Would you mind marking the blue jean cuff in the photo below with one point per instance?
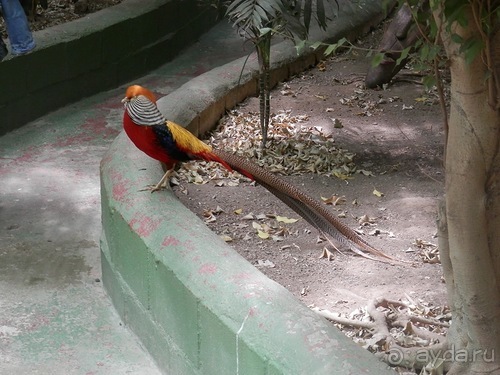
(24, 51)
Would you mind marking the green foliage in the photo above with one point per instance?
(289, 18)
(259, 20)
(333, 47)
(471, 48)
(329, 48)
(429, 81)
(250, 16)
(483, 14)
(454, 11)
(377, 59)
(305, 7)
(404, 55)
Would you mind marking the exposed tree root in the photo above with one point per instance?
(429, 359)
(397, 336)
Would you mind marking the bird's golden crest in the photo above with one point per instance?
(136, 90)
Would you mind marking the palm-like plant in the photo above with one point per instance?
(258, 21)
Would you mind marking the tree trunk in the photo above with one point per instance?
(470, 252)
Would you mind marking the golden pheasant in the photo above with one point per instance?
(170, 143)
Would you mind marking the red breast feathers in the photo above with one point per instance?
(160, 139)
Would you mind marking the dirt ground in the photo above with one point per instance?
(396, 137)
(396, 134)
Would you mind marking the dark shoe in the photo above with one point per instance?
(3, 50)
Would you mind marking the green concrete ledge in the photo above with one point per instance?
(96, 53)
(197, 305)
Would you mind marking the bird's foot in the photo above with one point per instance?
(164, 182)
(153, 188)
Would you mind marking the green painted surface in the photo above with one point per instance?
(191, 268)
(175, 309)
(217, 343)
(248, 362)
(96, 53)
(159, 343)
(179, 286)
(50, 225)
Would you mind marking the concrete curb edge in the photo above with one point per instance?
(198, 306)
(95, 53)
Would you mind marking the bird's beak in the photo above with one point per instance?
(125, 100)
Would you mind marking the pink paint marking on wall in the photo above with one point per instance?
(240, 278)
(120, 191)
(144, 225)
(207, 269)
(170, 241)
(120, 187)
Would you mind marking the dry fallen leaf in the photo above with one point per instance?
(327, 254)
(265, 263)
(286, 220)
(337, 123)
(342, 176)
(291, 149)
(334, 200)
(321, 66)
(226, 238)
(288, 92)
(365, 172)
(422, 243)
(210, 219)
(378, 193)
(210, 215)
(366, 220)
(263, 235)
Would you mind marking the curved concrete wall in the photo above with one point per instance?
(96, 53)
(198, 306)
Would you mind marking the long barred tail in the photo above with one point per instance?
(312, 210)
(179, 144)
(217, 157)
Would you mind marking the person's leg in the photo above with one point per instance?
(21, 39)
